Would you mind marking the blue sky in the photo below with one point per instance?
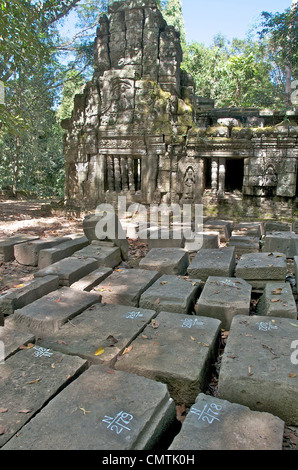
(205, 18)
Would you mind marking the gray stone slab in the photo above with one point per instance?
(283, 242)
(161, 238)
(101, 410)
(28, 253)
(19, 297)
(244, 245)
(260, 268)
(69, 270)
(258, 368)
(13, 338)
(249, 229)
(213, 262)
(277, 301)
(125, 286)
(223, 298)
(206, 425)
(177, 350)
(166, 261)
(7, 245)
(276, 226)
(172, 294)
(203, 240)
(52, 255)
(107, 256)
(224, 227)
(28, 380)
(111, 228)
(101, 333)
(92, 279)
(46, 315)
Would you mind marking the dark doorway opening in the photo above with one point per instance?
(207, 173)
(234, 174)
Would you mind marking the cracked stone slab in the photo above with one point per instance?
(101, 410)
(28, 379)
(101, 333)
(177, 350)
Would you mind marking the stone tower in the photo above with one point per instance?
(128, 129)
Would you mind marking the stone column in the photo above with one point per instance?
(110, 166)
(214, 175)
(124, 174)
(130, 172)
(221, 177)
(117, 174)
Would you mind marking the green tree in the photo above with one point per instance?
(281, 32)
(173, 15)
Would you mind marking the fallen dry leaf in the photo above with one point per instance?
(29, 346)
(25, 411)
(127, 350)
(99, 352)
(154, 324)
(33, 382)
(3, 410)
(292, 376)
(2, 430)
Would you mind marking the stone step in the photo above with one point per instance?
(17, 298)
(166, 261)
(257, 368)
(277, 301)
(172, 294)
(260, 268)
(215, 424)
(7, 245)
(213, 262)
(125, 286)
(29, 379)
(100, 410)
(28, 253)
(177, 350)
(223, 298)
(46, 315)
(53, 255)
(69, 270)
(107, 256)
(101, 333)
(92, 279)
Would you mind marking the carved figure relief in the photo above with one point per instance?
(189, 183)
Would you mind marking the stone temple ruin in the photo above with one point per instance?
(139, 130)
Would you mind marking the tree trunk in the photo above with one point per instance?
(288, 73)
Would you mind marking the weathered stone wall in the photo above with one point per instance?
(138, 129)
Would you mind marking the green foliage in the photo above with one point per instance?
(172, 12)
(72, 85)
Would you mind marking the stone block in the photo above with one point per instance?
(213, 262)
(13, 338)
(125, 286)
(283, 242)
(92, 280)
(101, 333)
(28, 253)
(29, 379)
(257, 370)
(260, 268)
(106, 256)
(249, 229)
(206, 425)
(244, 244)
(276, 226)
(107, 227)
(18, 298)
(172, 294)
(277, 301)
(69, 270)
(7, 245)
(223, 298)
(55, 254)
(224, 227)
(166, 261)
(159, 238)
(202, 240)
(89, 418)
(177, 350)
(46, 315)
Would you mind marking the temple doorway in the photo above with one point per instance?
(234, 174)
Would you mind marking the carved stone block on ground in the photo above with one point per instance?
(166, 261)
